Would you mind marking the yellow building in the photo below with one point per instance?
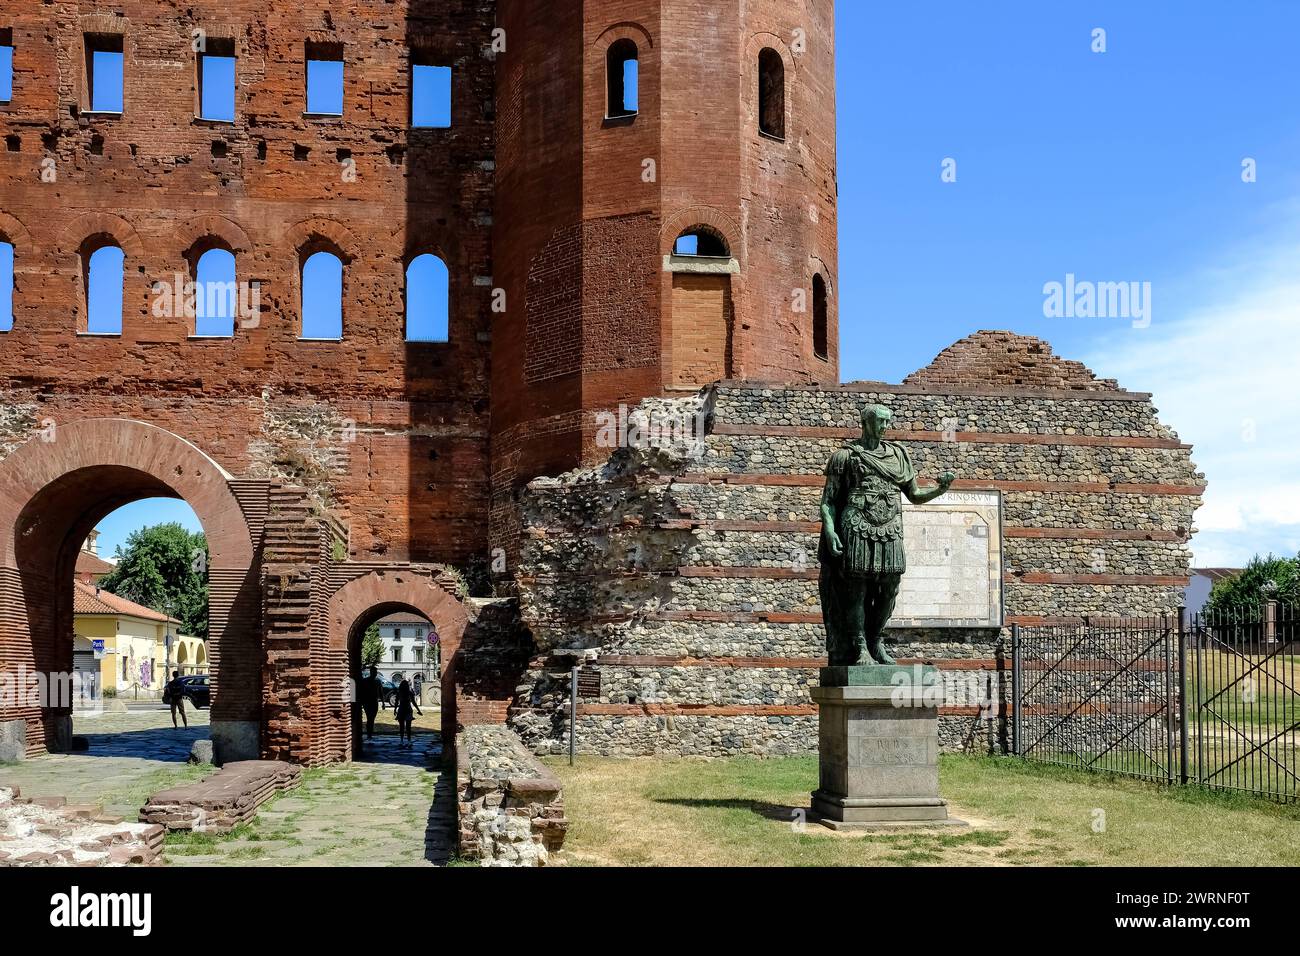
(133, 663)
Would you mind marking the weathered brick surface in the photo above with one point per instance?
(587, 208)
(392, 433)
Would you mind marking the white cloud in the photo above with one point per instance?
(1226, 375)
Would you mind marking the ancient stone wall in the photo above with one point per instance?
(510, 808)
(691, 579)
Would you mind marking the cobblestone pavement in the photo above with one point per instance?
(131, 756)
(394, 807)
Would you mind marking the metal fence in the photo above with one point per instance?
(1211, 699)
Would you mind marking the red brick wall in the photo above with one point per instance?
(394, 434)
(702, 316)
(587, 208)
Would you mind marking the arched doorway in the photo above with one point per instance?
(365, 600)
(54, 489)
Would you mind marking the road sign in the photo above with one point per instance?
(98, 647)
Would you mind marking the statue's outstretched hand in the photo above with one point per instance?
(946, 480)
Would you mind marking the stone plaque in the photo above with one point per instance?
(954, 562)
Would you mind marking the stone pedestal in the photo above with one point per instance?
(878, 747)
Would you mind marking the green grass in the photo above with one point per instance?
(740, 812)
(1247, 691)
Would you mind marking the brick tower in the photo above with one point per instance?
(623, 125)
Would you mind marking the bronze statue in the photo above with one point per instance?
(861, 552)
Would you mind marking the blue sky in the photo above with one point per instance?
(1117, 166)
(114, 529)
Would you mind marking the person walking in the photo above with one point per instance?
(176, 697)
(368, 698)
(405, 701)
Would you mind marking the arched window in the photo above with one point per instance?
(6, 286)
(820, 327)
(322, 296)
(623, 73)
(427, 299)
(771, 93)
(699, 241)
(215, 294)
(104, 273)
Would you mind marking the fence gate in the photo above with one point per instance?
(1245, 707)
(1099, 697)
(1213, 699)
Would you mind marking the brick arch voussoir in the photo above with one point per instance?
(417, 236)
(312, 231)
(819, 266)
(708, 216)
(625, 30)
(139, 446)
(14, 232)
(760, 41)
(230, 234)
(101, 224)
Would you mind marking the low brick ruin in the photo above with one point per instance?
(224, 800)
(47, 831)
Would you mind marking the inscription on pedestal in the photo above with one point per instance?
(887, 752)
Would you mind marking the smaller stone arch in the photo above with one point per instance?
(371, 596)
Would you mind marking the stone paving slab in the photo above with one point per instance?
(395, 808)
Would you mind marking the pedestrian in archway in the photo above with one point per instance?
(175, 695)
(368, 698)
(405, 701)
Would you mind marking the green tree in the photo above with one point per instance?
(165, 567)
(372, 647)
(1263, 579)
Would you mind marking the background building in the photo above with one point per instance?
(1201, 584)
(134, 658)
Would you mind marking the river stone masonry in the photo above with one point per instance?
(684, 576)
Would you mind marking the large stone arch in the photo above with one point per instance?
(373, 595)
(54, 488)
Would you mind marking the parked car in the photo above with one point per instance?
(386, 691)
(197, 691)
